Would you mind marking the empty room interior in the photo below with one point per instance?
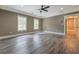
(39, 29)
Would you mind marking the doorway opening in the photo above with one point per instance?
(72, 25)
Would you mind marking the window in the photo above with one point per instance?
(22, 23)
(36, 24)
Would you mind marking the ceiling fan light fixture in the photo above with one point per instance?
(43, 8)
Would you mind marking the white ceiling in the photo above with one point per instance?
(32, 9)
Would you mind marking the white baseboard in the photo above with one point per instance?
(54, 32)
(9, 36)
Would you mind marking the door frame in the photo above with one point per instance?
(65, 23)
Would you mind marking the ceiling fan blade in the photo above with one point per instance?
(46, 10)
(46, 7)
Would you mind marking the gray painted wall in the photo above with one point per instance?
(54, 24)
(8, 23)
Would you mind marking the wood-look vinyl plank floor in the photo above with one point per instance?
(40, 44)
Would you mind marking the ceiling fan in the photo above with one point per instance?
(43, 8)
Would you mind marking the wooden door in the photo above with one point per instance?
(70, 25)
